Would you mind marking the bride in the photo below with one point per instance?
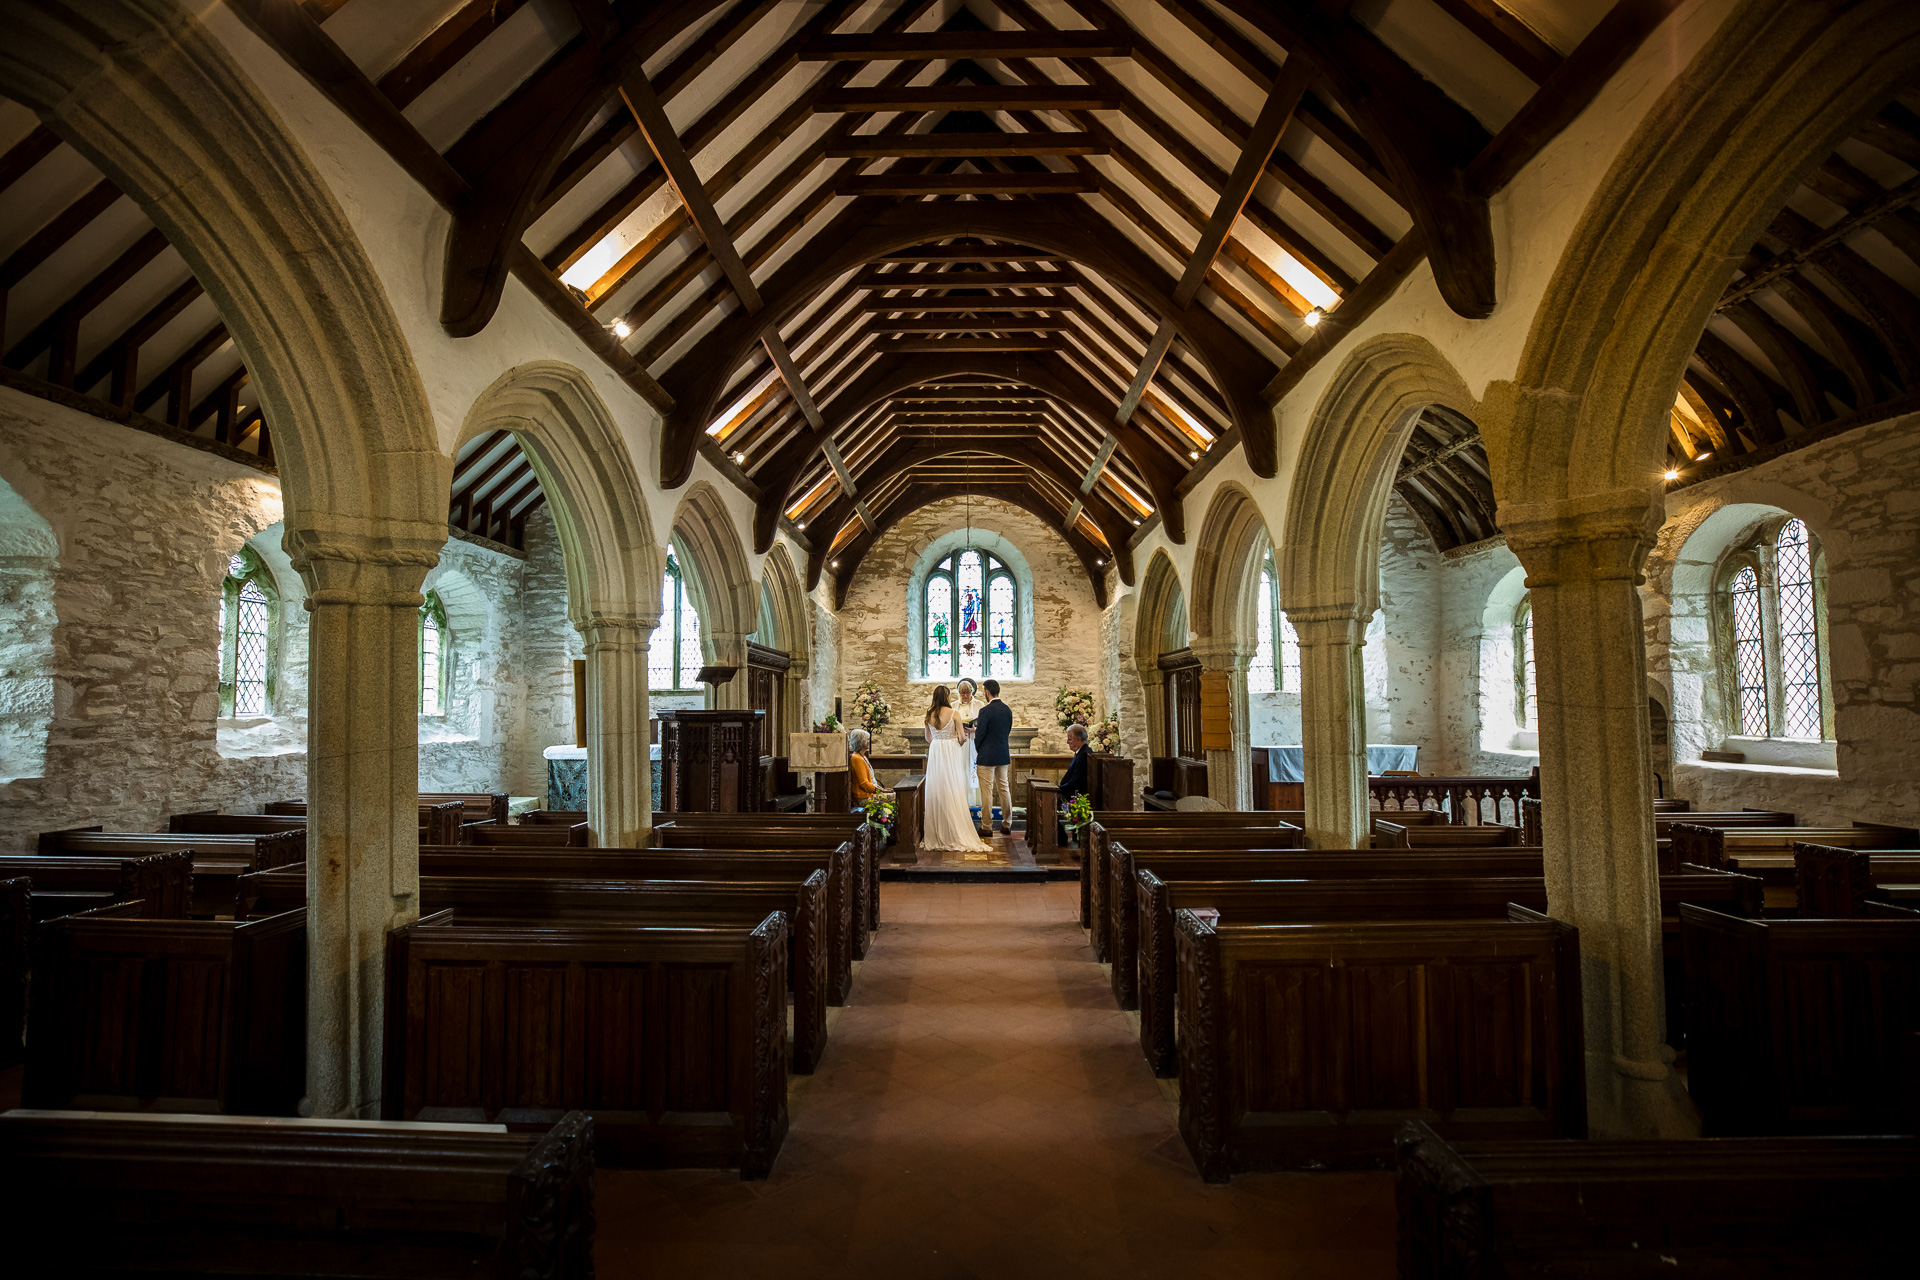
(949, 823)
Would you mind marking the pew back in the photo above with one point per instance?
(674, 1040)
(1430, 835)
(496, 834)
(161, 882)
(1307, 1046)
(16, 925)
(1164, 828)
(1837, 884)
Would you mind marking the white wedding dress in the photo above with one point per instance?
(949, 823)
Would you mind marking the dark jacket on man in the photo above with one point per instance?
(991, 725)
(1074, 782)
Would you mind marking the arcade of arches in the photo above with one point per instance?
(1532, 384)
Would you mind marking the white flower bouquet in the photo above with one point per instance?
(1073, 706)
(1106, 738)
(870, 707)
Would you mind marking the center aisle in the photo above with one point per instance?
(983, 1110)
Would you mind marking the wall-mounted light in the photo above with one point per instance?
(836, 564)
(1136, 524)
(1313, 318)
(1099, 562)
(1702, 457)
(1194, 454)
(1672, 474)
(620, 329)
(739, 456)
(800, 525)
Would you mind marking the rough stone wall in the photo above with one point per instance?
(1120, 689)
(1473, 671)
(1860, 493)
(474, 745)
(1410, 634)
(144, 529)
(823, 680)
(551, 645)
(1067, 643)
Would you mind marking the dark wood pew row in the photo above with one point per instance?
(788, 865)
(565, 835)
(1838, 884)
(1633, 1210)
(539, 900)
(219, 859)
(16, 926)
(475, 806)
(1359, 889)
(1280, 831)
(1438, 835)
(1308, 1046)
(439, 823)
(771, 830)
(131, 1014)
(1768, 851)
(63, 884)
(1671, 804)
(1797, 1026)
(543, 817)
(198, 1195)
(1664, 816)
(673, 1039)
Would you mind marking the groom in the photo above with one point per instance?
(990, 729)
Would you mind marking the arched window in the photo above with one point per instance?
(1526, 692)
(673, 654)
(1772, 625)
(1276, 667)
(434, 647)
(971, 606)
(246, 637)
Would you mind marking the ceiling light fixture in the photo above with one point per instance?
(738, 456)
(1313, 318)
(1672, 474)
(836, 564)
(620, 329)
(1702, 457)
(1194, 454)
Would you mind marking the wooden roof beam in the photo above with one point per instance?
(982, 98)
(926, 46)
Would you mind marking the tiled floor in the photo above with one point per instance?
(1006, 851)
(983, 1110)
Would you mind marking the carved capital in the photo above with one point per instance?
(384, 568)
(607, 632)
(1602, 538)
(1230, 656)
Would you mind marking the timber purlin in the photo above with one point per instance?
(133, 1014)
(1308, 1046)
(555, 899)
(1798, 1026)
(1634, 1209)
(672, 1039)
(192, 1195)
(63, 884)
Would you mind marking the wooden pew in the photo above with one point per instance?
(1043, 819)
(1308, 1046)
(1441, 835)
(1796, 1026)
(573, 836)
(909, 817)
(544, 900)
(440, 823)
(1171, 779)
(16, 926)
(172, 1015)
(196, 1195)
(1096, 873)
(773, 830)
(787, 865)
(1839, 884)
(1444, 889)
(1733, 818)
(63, 884)
(673, 1040)
(565, 817)
(1633, 1210)
(219, 860)
(475, 806)
(1768, 851)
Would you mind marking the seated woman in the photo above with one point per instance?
(859, 746)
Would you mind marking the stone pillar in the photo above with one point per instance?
(1333, 724)
(363, 785)
(1597, 803)
(1230, 771)
(619, 766)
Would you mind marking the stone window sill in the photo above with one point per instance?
(1775, 770)
(251, 722)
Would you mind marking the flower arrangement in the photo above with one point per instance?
(830, 725)
(879, 810)
(1106, 738)
(1079, 814)
(1073, 706)
(870, 707)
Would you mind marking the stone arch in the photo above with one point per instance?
(1780, 86)
(781, 582)
(1162, 609)
(724, 588)
(613, 569)
(1227, 560)
(29, 556)
(152, 98)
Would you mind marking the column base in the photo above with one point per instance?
(1624, 1105)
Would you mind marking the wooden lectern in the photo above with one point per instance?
(710, 761)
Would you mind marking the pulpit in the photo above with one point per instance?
(710, 761)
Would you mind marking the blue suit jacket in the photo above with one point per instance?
(991, 725)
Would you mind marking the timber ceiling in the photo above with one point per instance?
(866, 255)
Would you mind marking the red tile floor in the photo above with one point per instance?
(983, 1110)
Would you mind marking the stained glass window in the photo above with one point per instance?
(673, 651)
(1799, 634)
(971, 609)
(433, 657)
(246, 636)
(1264, 675)
(1526, 690)
(1749, 653)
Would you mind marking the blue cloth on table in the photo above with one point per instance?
(1287, 764)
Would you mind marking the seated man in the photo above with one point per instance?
(1074, 781)
(859, 745)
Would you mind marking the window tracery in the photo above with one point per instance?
(1276, 655)
(246, 637)
(1771, 616)
(970, 607)
(434, 647)
(673, 652)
